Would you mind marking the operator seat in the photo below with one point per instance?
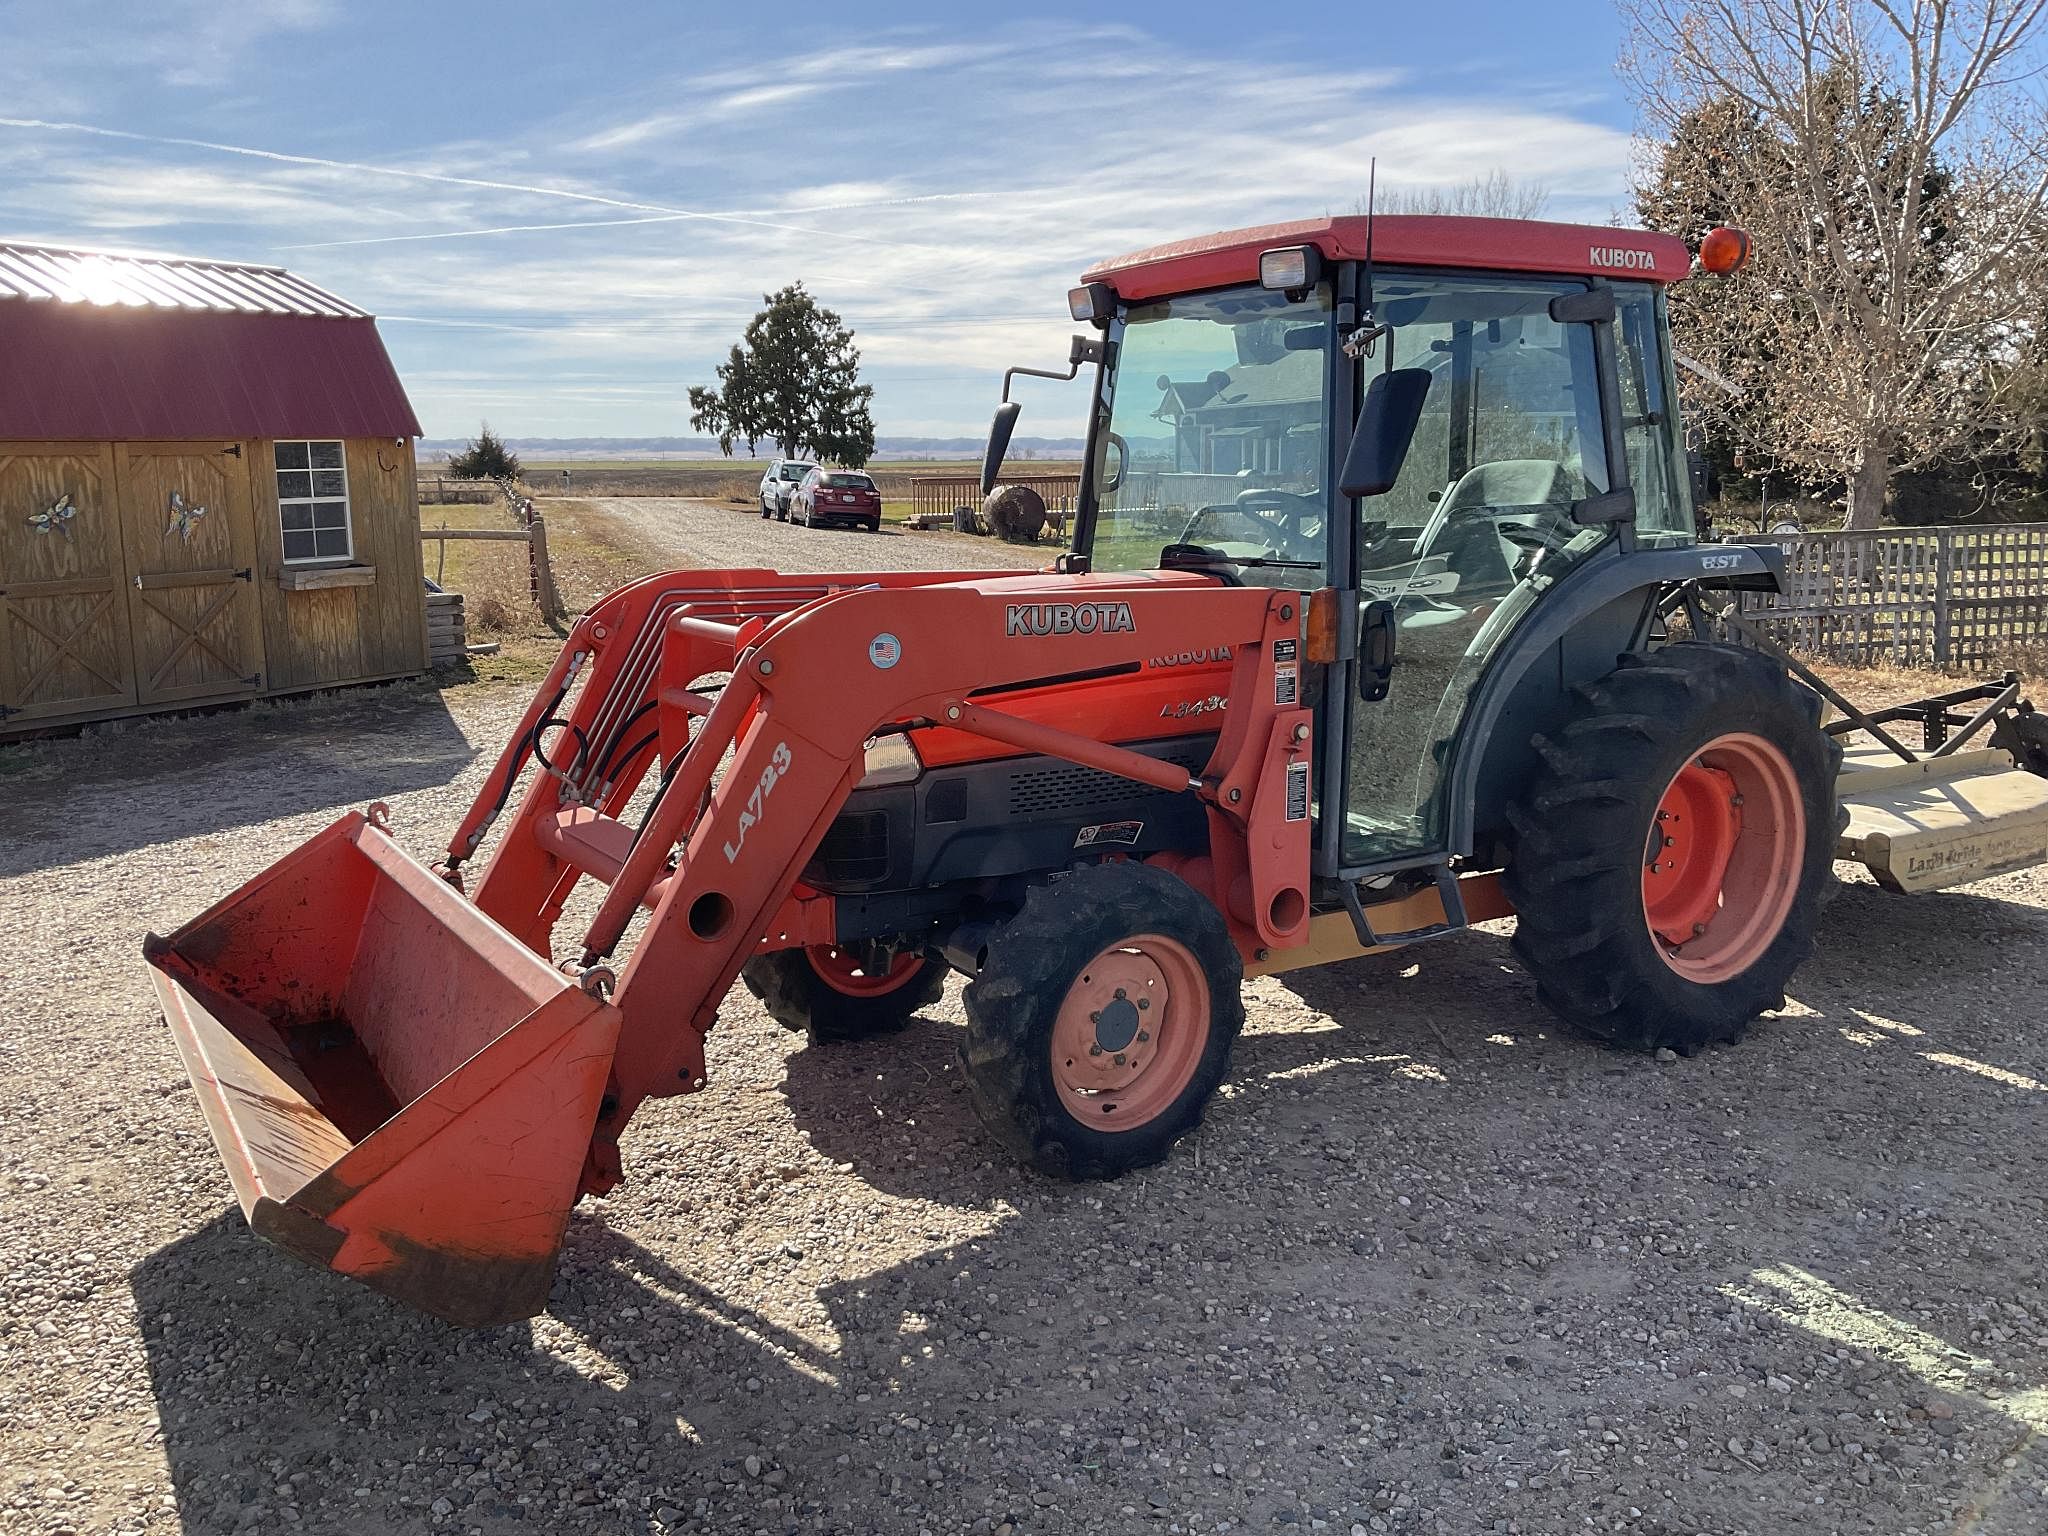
(1464, 526)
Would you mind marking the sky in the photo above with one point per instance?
(563, 216)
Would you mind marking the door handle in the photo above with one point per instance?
(1377, 634)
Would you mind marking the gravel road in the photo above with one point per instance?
(1430, 1267)
(683, 531)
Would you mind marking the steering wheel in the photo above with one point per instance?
(1293, 520)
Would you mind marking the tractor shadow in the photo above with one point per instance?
(1394, 1205)
(120, 788)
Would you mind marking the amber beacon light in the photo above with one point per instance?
(1724, 250)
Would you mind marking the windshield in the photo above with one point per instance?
(850, 482)
(1216, 434)
(796, 471)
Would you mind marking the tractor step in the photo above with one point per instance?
(1941, 821)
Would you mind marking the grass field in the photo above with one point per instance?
(493, 579)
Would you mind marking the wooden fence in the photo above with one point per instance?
(1947, 597)
(935, 496)
(532, 532)
(439, 490)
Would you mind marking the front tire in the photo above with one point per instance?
(1670, 855)
(1102, 1020)
(824, 991)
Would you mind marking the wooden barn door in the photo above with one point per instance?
(63, 617)
(191, 567)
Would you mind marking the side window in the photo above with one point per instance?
(312, 500)
(1649, 417)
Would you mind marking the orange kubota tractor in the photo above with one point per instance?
(1362, 639)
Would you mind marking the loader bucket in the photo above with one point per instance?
(401, 1091)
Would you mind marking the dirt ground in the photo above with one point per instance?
(684, 531)
(1431, 1266)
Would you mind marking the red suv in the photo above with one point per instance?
(837, 496)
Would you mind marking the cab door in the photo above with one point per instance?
(1478, 526)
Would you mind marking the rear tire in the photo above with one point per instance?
(1670, 855)
(1102, 1020)
(821, 992)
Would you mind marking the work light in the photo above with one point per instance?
(1290, 267)
(1092, 303)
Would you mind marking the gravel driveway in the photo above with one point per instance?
(683, 531)
(1430, 1267)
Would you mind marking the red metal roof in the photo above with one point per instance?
(137, 348)
(1404, 240)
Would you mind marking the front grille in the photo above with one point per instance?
(1069, 787)
(855, 849)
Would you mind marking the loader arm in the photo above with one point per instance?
(806, 694)
(403, 1086)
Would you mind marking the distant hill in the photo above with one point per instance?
(1067, 448)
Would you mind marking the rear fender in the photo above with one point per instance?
(1573, 634)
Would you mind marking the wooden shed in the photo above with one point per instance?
(206, 489)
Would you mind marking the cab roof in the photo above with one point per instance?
(1401, 240)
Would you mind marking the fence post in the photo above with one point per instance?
(543, 572)
(1944, 569)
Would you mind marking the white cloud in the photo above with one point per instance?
(941, 193)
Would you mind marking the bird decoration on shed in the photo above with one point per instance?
(56, 518)
(184, 517)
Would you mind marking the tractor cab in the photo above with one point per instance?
(1514, 382)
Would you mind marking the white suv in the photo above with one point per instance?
(780, 483)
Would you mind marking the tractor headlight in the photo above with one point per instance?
(1290, 268)
(890, 760)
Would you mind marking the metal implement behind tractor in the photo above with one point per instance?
(1362, 640)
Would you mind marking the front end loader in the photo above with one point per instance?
(1366, 636)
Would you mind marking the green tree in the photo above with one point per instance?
(486, 458)
(795, 378)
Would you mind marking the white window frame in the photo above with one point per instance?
(348, 510)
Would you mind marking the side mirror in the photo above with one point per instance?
(1606, 509)
(999, 432)
(1706, 480)
(1587, 306)
(1386, 426)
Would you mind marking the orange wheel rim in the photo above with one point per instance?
(1131, 1033)
(1722, 863)
(841, 970)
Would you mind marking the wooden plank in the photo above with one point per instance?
(317, 578)
(384, 495)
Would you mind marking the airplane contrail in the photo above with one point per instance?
(653, 218)
(360, 167)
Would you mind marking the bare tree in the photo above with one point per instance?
(1496, 195)
(1890, 345)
